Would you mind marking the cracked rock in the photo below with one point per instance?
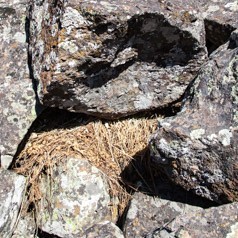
(113, 59)
(197, 149)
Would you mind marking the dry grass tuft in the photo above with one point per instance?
(108, 146)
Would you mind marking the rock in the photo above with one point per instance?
(77, 200)
(26, 227)
(197, 149)
(104, 229)
(17, 96)
(12, 189)
(113, 59)
(216, 222)
(220, 20)
(147, 214)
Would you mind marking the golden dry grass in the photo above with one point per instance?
(108, 146)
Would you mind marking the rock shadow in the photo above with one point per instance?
(216, 34)
(153, 39)
(142, 176)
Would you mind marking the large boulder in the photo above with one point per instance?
(17, 96)
(76, 199)
(197, 149)
(12, 188)
(112, 59)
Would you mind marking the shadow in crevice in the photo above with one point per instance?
(38, 106)
(42, 234)
(142, 176)
(216, 34)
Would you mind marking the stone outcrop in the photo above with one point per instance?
(146, 214)
(113, 59)
(12, 187)
(77, 200)
(17, 96)
(197, 149)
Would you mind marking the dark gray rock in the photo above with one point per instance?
(12, 187)
(17, 96)
(148, 214)
(197, 149)
(77, 199)
(105, 229)
(112, 59)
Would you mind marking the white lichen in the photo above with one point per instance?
(224, 137)
(197, 134)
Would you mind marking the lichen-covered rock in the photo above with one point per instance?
(216, 222)
(104, 229)
(26, 227)
(17, 96)
(12, 187)
(147, 214)
(112, 59)
(77, 200)
(197, 149)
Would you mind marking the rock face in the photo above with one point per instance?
(147, 214)
(217, 222)
(77, 200)
(26, 227)
(197, 148)
(17, 96)
(105, 229)
(12, 189)
(112, 59)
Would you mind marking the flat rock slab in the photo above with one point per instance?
(147, 214)
(217, 222)
(197, 149)
(12, 187)
(77, 200)
(113, 59)
(105, 229)
(17, 97)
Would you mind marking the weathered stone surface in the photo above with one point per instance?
(17, 97)
(105, 229)
(26, 227)
(113, 59)
(217, 222)
(12, 187)
(220, 17)
(197, 149)
(77, 200)
(147, 214)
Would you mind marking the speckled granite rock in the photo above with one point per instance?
(105, 229)
(197, 149)
(77, 200)
(217, 222)
(112, 59)
(12, 187)
(17, 108)
(146, 214)
(26, 227)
